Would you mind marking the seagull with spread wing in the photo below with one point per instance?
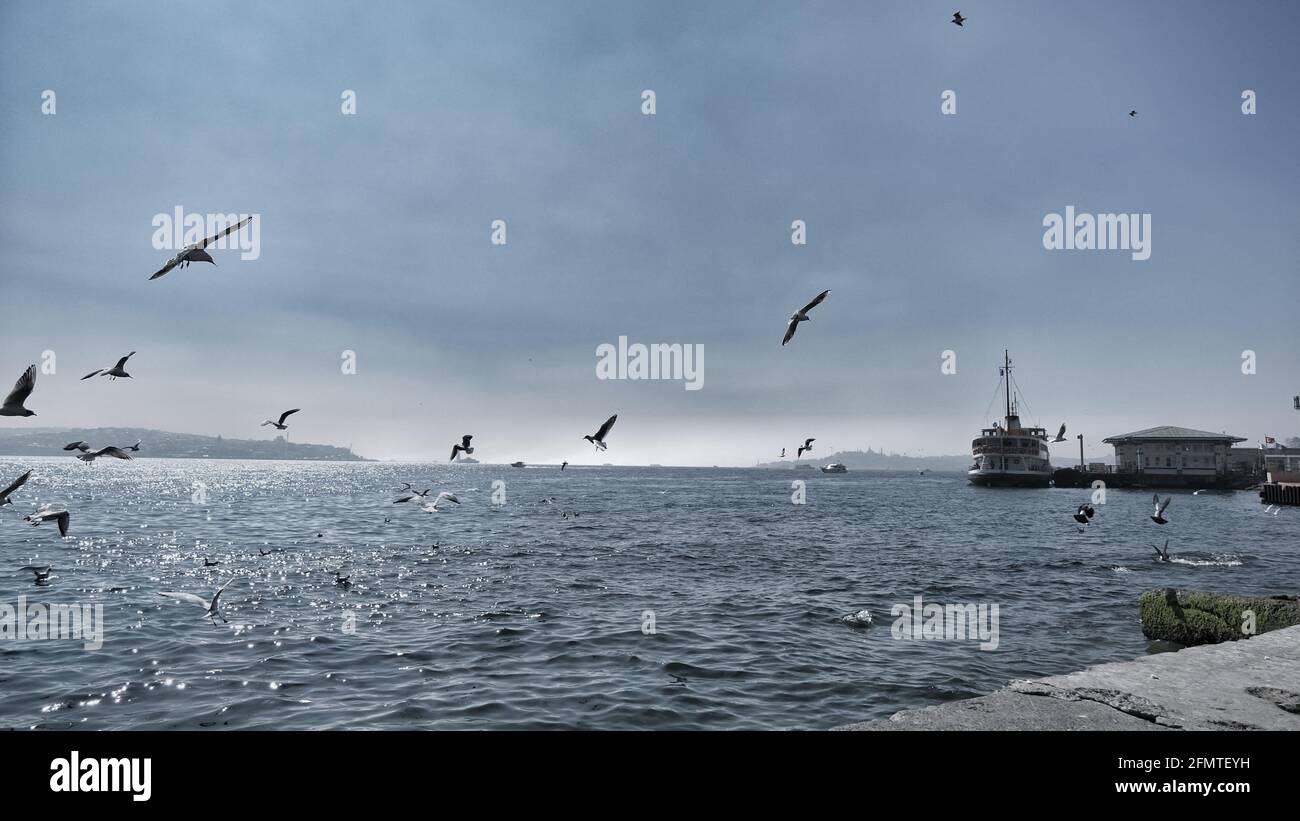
(115, 452)
(1159, 516)
(13, 404)
(599, 438)
(209, 606)
(280, 425)
(806, 446)
(801, 315)
(45, 515)
(114, 372)
(195, 252)
(1060, 434)
(77, 445)
(463, 447)
(432, 507)
(17, 483)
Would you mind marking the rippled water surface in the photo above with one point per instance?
(516, 616)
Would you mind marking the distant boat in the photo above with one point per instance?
(836, 467)
(467, 460)
(516, 464)
(655, 465)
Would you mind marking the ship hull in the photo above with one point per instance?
(999, 479)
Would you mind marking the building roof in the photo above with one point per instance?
(1173, 432)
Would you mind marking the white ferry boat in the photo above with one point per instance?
(837, 467)
(1009, 454)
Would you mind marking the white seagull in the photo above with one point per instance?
(599, 439)
(432, 507)
(801, 315)
(195, 252)
(41, 516)
(1060, 435)
(280, 425)
(464, 447)
(17, 483)
(209, 606)
(13, 404)
(114, 372)
(414, 494)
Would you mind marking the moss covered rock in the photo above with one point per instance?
(1189, 617)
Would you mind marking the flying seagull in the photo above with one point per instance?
(195, 252)
(1163, 554)
(414, 494)
(42, 573)
(432, 507)
(1133, 113)
(13, 404)
(209, 606)
(133, 448)
(1159, 516)
(599, 439)
(1060, 434)
(116, 453)
(113, 372)
(78, 445)
(42, 516)
(280, 425)
(1084, 514)
(958, 19)
(19, 482)
(782, 453)
(563, 465)
(807, 445)
(464, 446)
(801, 315)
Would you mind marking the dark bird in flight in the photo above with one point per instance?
(414, 494)
(78, 445)
(807, 445)
(59, 516)
(195, 252)
(463, 447)
(1163, 554)
(782, 453)
(1060, 434)
(1159, 516)
(13, 404)
(341, 580)
(280, 425)
(1084, 514)
(17, 483)
(133, 448)
(958, 19)
(599, 439)
(116, 453)
(563, 465)
(114, 372)
(1133, 113)
(801, 315)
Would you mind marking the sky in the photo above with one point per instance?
(376, 227)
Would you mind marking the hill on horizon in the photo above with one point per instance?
(166, 445)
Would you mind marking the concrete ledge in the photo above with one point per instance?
(1252, 684)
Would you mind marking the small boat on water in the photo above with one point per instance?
(516, 464)
(836, 467)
